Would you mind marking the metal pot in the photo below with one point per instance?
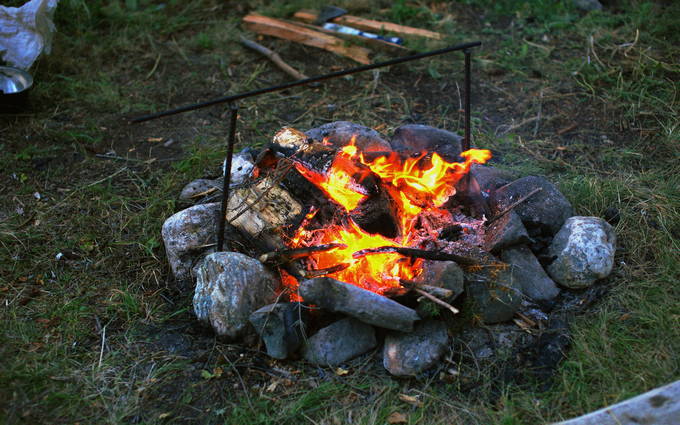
(14, 87)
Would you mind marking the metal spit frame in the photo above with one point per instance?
(231, 99)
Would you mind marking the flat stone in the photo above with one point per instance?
(660, 406)
(407, 354)
(281, 326)
(339, 133)
(339, 342)
(533, 280)
(419, 138)
(542, 213)
(587, 5)
(584, 252)
(369, 307)
(495, 292)
(504, 232)
(229, 287)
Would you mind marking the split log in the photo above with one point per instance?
(418, 253)
(299, 34)
(371, 25)
(369, 307)
(262, 210)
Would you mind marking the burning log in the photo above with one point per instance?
(418, 253)
(262, 210)
(288, 255)
(310, 274)
(377, 213)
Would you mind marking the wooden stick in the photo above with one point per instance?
(436, 300)
(434, 290)
(417, 253)
(288, 255)
(299, 34)
(309, 274)
(370, 25)
(274, 57)
(514, 204)
(378, 44)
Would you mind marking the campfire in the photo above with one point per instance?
(339, 220)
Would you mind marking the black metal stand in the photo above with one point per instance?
(468, 130)
(227, 177)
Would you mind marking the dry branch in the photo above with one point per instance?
(299, 34)
(274, 57)
(434, 290)
(436, 300)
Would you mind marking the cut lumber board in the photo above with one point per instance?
(299, 34)
(370, 25)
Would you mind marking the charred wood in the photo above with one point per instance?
(288, 255)
(418, 253)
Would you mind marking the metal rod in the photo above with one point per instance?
(466, 140)
(271, 89)
(227, 178)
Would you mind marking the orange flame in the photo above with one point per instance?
(416, 184)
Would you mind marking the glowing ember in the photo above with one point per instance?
(417, 185)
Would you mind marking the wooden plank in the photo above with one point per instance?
(299, 34)
(370, 25)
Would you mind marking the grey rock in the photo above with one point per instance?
(490, 178)
(443, 274)
(369, 307)
(533, 280)
(242, 166)
(339, 133)
(339, 342)
(660, 406)
(508, 230)
(587, 5)
(281, 326)
(418, 138)
(185, 235)
(543, 213)
(407, 354)
(584, 252)
(474, 342)
(198, 187)
(495, 292)
(229, 287)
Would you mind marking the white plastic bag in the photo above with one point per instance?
(26, 31)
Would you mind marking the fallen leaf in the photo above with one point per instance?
(341, 372)
(410, 400)
(397, 418)
(217, 372)
(272, 387)
(163, 415)
(154, 139)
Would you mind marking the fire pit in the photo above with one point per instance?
(336, 232)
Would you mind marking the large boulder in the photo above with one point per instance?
(583, 250)
(542, 213)
(229, 287)
(407, 354)
(339, 133)
(339, 342)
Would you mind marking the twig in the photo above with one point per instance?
(436, 300)
(538, 115)
(101, 351)
(155, 65)
(434, 290)
(514, 204)
(417, 253)
(274, 57)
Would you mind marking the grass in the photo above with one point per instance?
(591, 100)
